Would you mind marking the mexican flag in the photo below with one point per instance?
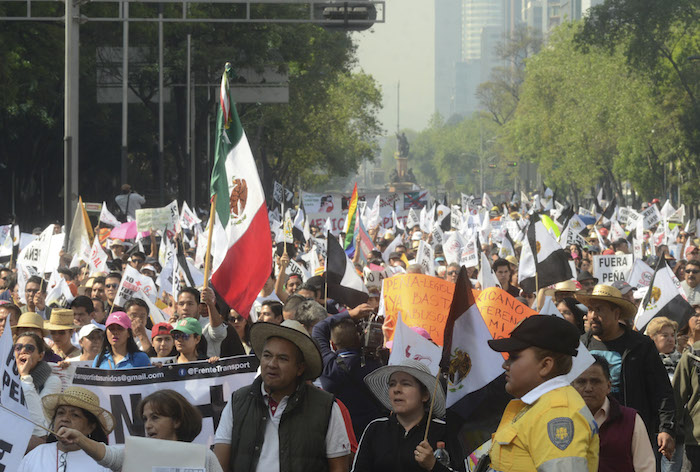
(241, 247)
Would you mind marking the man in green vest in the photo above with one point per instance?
(281, 422)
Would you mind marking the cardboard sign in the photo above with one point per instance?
(609, 269)
(422, 301)
(651, 216)
(501, 311)
(374, 278)
(167, 217)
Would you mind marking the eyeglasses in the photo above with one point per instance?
(30, 348)
(452, 272)
(692, 271)
(112, 285)
(183, 336)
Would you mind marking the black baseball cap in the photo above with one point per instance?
(544, 331)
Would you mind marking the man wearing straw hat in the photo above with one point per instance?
(548, 427)
(281, 421)
(639, 379)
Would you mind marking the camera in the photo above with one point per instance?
(372, 339)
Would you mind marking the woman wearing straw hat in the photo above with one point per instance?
(397, 443)
(79, 409)
(60, 326)
(166, 415)
(31, 322)
(36, 376)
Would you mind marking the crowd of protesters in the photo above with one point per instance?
(319, 403)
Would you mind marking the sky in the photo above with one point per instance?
(402, 50)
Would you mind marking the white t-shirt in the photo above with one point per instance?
(45, 457)
(337, 441)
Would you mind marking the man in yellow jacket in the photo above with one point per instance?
(548, 427)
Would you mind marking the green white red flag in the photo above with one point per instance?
(242, 246)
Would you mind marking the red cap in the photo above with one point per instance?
(609, 252)
(160, 329)
(603, 232)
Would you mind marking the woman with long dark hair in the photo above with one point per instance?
(79, 410)
(166, 415)
(119, 350)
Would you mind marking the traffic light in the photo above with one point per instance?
(492, 166)
(513, 164)
(347, 16)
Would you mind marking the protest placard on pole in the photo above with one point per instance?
(133, 281)
(167, 217)
(651, 216)
(426, 258)
(15, 431)
(611, 268)
(373, 275)
(206, 386)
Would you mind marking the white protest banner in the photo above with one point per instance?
(373, 278)
(206, 386)
(278, 192)
(188, 218)
(166, 217)
(132, 282)
(426, 258)
(437, 236)
(456, 217)
(623, 214)
(295, 268)
(651, 216)
(407, 344)
(470, 254)
(107, 217)
(453, 247)
(97, 260)
(173, 456)
(15, 432)
(59, 296)
(36, 253)
(640, 275)
(66, 374)
(611, 268)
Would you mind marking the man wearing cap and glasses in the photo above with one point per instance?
(639, 379)
(281, 420)
(691, 285)
(548, 427)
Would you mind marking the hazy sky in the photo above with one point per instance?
(402, 49)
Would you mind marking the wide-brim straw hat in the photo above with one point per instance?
(566, 286)
(30, 320)
(294, 332)
(378, 383)
(82, 398)
(60, 319)
(609, 294)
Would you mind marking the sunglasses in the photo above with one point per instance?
(30, 348)
(692, 271)
(183, 336)
(112, 285)
(237, 319)
(452, 272)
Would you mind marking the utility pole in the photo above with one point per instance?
(70, 112)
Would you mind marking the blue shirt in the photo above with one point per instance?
(132, 359)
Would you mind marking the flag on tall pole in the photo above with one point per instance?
(349, 228)
(242, 259)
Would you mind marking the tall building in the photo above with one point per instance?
(448, 32)
(478, 14)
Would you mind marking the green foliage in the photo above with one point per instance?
(328, 127)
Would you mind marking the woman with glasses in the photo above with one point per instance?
(119, 351)
(187, 333)
(242, 327)
(37, 379)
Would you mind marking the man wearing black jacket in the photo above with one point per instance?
(638, 377)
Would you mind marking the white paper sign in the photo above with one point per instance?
(611, 268)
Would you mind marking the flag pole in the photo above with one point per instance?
(207, 258)
(432, 404)
(27, 419)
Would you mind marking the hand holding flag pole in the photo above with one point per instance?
(432, 404)
(207, 258)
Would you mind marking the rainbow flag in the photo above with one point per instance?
(349, 228)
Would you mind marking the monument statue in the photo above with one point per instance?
(402, 144)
